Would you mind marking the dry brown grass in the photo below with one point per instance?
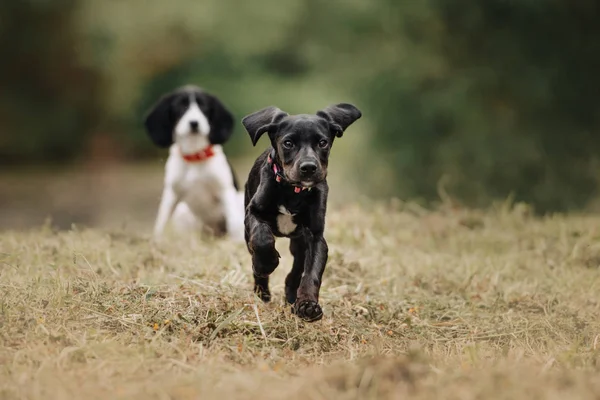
(445, 304)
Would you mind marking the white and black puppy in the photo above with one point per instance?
(200, 188)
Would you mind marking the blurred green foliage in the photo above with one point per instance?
(48, 100)
(484, 99)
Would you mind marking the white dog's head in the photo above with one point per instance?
(190, 117)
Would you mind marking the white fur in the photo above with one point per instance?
(285, 222)
(190, 142)
(200, 192)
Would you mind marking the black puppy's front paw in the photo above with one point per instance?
(261, 288)
(308, 310)
(265, 262)
(290, 294)
(263, 293)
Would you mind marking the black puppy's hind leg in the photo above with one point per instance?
(265, 258)
(292, 281)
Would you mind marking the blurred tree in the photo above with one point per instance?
(511, 104)
(49, 102)
(491, 98)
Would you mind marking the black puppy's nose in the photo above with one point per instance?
(194, 126)
(308, 168)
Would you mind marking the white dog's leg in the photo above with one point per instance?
(167, 204)
(233, 204)
(183, 219)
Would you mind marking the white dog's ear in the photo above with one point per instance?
(265, 120)
(159, 121)
(220, 119)
(340, 117)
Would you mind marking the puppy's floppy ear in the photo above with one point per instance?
(265, 120)
(340, 117)
(220, 119)
(159, 121)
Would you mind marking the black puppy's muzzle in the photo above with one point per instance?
(194, 125)
(308, 169)
(307, 172)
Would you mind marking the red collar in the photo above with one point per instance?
(199, 156)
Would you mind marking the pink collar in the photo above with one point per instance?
(279, 175)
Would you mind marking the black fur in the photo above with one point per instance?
(236, 184)
(163, 116)
(297, 141)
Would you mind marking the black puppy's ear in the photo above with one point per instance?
(340, 117)
(265, 120)
(220, 119)
(159, 121)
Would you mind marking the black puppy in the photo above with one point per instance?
(286, 195)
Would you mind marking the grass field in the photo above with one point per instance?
(423, 304)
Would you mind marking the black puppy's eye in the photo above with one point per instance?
(323, 143)
(288, 144)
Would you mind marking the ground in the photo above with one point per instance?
(451, 303)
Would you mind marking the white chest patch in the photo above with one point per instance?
(285, 223)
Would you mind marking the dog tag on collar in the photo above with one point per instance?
(298, 189)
